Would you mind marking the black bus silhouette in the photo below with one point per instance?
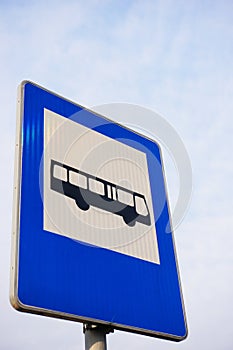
(88, 190)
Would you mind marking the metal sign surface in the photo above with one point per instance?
(90, 219)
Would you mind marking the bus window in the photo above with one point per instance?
(141, 205)
(96, 186)
(77, 179)
(109, 193)
(114, 197)
(59, 172)
(125, 197)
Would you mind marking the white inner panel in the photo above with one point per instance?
(112, 161)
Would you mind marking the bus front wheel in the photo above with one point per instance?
(82, 205)
(129, 222)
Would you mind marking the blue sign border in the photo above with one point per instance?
(60, 277)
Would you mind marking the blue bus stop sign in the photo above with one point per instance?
(91, 226)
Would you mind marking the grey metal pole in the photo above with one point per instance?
(95, 336)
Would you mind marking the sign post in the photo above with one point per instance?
(95, 337)
(90, 240)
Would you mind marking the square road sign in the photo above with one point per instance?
(90, 216)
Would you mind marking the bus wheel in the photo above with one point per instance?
(82, 205)
(129, 222)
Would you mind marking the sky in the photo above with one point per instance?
(172, 57)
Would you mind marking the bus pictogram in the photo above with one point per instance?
(88, 190)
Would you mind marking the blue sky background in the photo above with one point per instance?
(174, 57)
